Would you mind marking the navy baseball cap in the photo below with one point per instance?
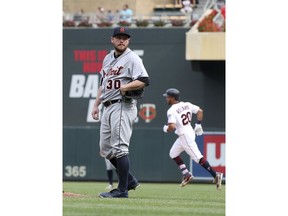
(121, 30)
(172, 92)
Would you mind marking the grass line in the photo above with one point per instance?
(149, 199)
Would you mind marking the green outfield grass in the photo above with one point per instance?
(149, 199)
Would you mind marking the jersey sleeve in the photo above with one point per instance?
(194, 108)
(138, 69)
(171, 117)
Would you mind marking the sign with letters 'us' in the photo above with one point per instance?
(212, 146)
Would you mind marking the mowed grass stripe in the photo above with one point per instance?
(149, 199)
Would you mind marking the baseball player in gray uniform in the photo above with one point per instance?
(123, 79)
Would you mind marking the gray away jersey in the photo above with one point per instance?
(118, 71)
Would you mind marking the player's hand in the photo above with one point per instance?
(122, 92)
(165, 127)
(95, 113)
(198, 129)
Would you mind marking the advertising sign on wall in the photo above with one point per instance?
(212, 146)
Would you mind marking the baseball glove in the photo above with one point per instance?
(135, 94)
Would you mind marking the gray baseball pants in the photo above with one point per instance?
(116, 129)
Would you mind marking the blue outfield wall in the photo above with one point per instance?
(163, 54)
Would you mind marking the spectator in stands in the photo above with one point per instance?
(126, 14)
(100, 15)
(187, 10)
(79, 16)
(110, 16)
(187, 7)
(117, 16)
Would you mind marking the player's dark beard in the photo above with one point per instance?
(120, 51)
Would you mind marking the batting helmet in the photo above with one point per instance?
(172, 92)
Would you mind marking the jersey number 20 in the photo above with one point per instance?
(186, 118)
(113, 83)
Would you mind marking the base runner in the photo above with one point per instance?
(179, 119)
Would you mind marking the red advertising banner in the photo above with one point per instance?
(212, 146)
(214, 151)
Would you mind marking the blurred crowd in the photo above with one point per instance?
(124, 17)
(102, 16)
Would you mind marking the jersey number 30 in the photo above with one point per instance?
(113, 83)
(186, 118)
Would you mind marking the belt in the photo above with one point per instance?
(110, 102)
